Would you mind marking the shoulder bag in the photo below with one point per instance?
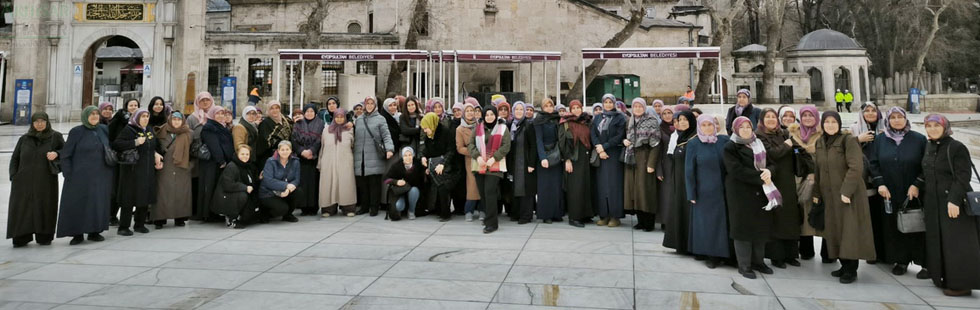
(972, 206)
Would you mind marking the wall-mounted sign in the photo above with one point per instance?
(114, 12)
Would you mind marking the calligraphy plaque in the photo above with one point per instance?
(115, 12)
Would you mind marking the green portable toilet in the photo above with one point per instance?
(631, 87)
(601, 85)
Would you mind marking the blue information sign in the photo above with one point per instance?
(229, 90)
(914, 100)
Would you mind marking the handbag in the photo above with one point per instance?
(594, 160)
(911, 220)
(972, 206)
(553, 156)
(109, 153)
(378, 145)
(128, 157)
(816, 216)
(802, 162)
(448, 177)
(628, 158)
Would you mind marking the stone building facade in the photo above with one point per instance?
(187, 46)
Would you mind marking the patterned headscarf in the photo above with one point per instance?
(135, 119)
(897, 134)
(706, 138)
(942, 121)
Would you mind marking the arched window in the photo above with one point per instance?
(842, 78)
(354, 28)
(816, 84)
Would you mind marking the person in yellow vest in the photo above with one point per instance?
(839, 98)
(848, 99)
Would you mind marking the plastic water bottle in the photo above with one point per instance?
(888, 206)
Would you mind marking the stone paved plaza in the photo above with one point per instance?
(369, 263)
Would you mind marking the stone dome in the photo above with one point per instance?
(826, 39)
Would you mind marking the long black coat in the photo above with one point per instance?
(524, 153)
(33, 205)
(677, 214)
(220, 144)
(779, 157)
(138, 182)
(743, 190)
(88, 182)
(609, 174)
(952, 245)
(442, 144)
(897, 168)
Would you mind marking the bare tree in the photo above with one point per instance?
(312, 28)
(418, 23)
(637, 12)
(775, 11)
(936, 9)
(721, 12)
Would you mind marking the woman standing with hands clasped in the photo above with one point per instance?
(783, 246)
(491, 142)
(839, 183)
(705, 178)
(33, 206)
(607, 138)
(642, 155)
(750, 197)
(896, 164)
(138, 180)
(952, 234)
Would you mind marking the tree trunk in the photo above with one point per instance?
(418, 19)
(921, 58)
(636, 17)
(312, 29)
(775, 10)
(722, 31)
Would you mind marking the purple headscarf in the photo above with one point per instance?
(337, 129)
(943, 121)
(897, 134)
(135, 119)
(706, 138)
(806, 132)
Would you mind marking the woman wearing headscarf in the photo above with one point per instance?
(607, 137)
(174, 180)
(246, 133)
(642, 155)
(677, 210)
(279, 191)
(306, 143)
(804, 135)
(105, 113)
(783, 247)
(326, 114)
(336, 164)
(404, 182)
(597, 109)
(409, 124)
(867, 127)
(220, 144)
(88, 180)
(750, 196)
(839, 184)
(458, 194)
(664, 165)
(116, 125)
(437, 154)
(574, 144)
(159, 112)
(235, 196)
(705, 178)
(391, 106)
(195, 121)
(464, 136)
(373, 145)
(32, 210)
(896, 162)
(506, 197)
(491, 143)
(356, 111)
(138, 181)
(787, 116)
(273, 129)
(523, 158)
(743, 107)
(952, 235)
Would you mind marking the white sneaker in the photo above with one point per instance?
(411, 215)
(469, 216)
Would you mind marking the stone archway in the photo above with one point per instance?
(83, 55)
(816, 84)
(132, 67)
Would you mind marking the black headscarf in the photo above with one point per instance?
(489, 126)
(692, 128)
(830, 138)
(44, 134)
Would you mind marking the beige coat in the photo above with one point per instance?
(464, 136)
(840, 170)
(336, 164)
(804, 186)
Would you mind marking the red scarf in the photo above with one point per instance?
(496, 137)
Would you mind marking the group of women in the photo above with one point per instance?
(763, 191)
